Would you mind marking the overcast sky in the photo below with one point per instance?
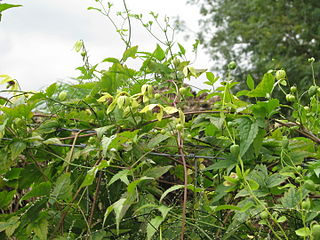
(36, 40)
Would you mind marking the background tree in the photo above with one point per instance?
(261, 35)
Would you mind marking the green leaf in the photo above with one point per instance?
(282, 219)
(131, 189)
(157, 172)
(164, 210)
(5, 6)
(63, 188)
(17, 148)
(113, 60)
(105, 143)
(229, 207)
(159, 53)
(3, 128)
(10, 226)
(153, 226)
(13, 173)
(6, 198)
(221, 164)
(176, 187)
(51, 89)
(19, 111)
(52, 141)
(100, 131)
(265, 109)
(42, 189)
(48, 126)
(171, 189)
(248, 132)
(291, 198)
(130, 52)
(253, 184)
(182, 49)
(210, 76)
(303, 232)
(122, 175)
(250, 82)
(90, 176)
(264, 87)
(120, 208)
(156, 140)
(40, 229)
(170, 110)
(111, 107)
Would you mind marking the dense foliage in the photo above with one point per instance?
(120, 155)
(262, 35)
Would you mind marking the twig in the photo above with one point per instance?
(305, 133)
(95, 198)
(72, 149)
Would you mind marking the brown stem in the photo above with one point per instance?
(303, 132)
(72, 149)
(95, 198)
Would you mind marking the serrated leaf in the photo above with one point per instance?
(290, 199)
(41, 229)
(248, 132)
(42, 189)
(10, 226)
(63, 188)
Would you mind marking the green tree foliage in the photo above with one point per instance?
(262, 35)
